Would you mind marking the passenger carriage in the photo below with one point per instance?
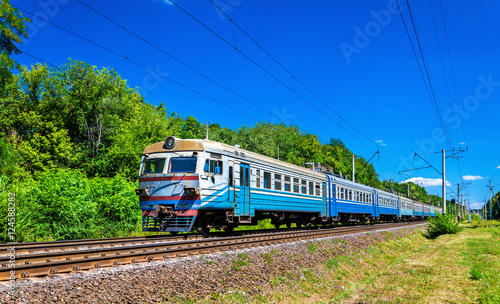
(407, 212)
(388, 209)
(350, 201)
(419, 211)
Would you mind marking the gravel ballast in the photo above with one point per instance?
(248, 271)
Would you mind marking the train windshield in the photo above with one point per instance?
(182, 165)
(154, 165)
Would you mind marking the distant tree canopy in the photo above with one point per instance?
(80, 117)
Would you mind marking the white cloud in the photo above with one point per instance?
(472, 177)
(497, 167)
(462, 143)
(475, 205)
(380, 142)
(427, 182)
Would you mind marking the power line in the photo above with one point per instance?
(433, 99)
(442, 61)
(294, 78)
(140, 65)
(428, 83)
(176, 59)
(168, 54)
(453, 76)
(273, 76)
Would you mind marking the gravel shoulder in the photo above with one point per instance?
(249, 272)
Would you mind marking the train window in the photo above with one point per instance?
(342, 190)
(257, 181)
(213, 166)
(247, 177)
(337, 191)
(318, 190)
(296, 185)
(241, 175)
(267, 180)
(183, 164)
(350, 195)
(303, 186)
(154, 165)
(311, 188)
(287, 183)
(277, 182)
(230, 176)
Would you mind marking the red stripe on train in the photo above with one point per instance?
(167, 178)
(169, 198)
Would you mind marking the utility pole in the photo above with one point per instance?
(408, 189)
(353, 167)
(458, 198)
(491, 201)
(444, 181)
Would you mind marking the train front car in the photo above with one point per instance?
(171, 178)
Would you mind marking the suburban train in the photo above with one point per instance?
(188, 184)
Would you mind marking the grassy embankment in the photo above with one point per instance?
(460, 268)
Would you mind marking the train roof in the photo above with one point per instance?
(221, 148)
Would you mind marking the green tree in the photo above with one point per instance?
(12, 29)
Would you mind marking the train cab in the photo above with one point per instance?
(176, 178)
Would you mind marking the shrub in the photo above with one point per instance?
(63, 204)
(475, 218)
(442, 224)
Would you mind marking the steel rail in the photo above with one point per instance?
(32, 247)
(34, 265)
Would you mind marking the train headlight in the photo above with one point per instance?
(192, 191)
(169, 143)
(142, 192)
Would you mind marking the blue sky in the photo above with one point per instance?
(354, 55)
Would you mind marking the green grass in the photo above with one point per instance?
(453, 268)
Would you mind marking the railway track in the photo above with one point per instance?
(83, 244)
(62, 257)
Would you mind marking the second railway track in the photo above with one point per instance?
(50, 263)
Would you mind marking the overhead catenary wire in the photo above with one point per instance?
(295, 79)
(291, 89)
(141, 65)
(453, 78)
(234, 46)
(178, 60)
(426, 76)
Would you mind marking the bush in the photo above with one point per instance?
(442, 224)
(475, 218)
(63, 204)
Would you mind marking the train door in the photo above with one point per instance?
(375, 205)
(230, 182)
(244, 197)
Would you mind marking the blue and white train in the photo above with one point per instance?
(187, 184)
